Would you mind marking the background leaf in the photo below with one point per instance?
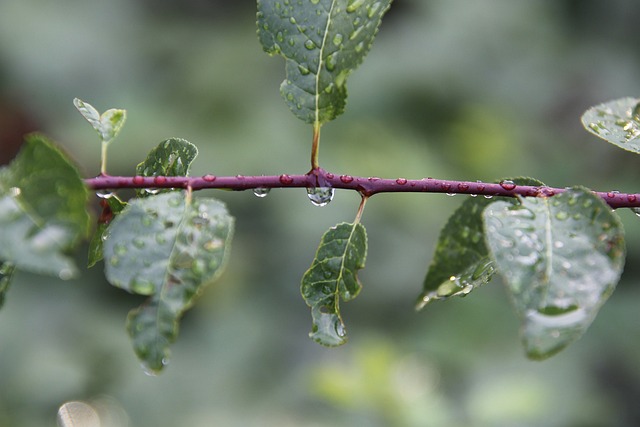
(168, 249)
(333, 275)
(322, 41)
(617, 122)
(42, 209)
(561, 257)
(6, 272)
(461, 261)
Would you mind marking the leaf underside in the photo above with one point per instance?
(333, 276)
(169, 249)
(461, 262)
(561, 258)
(322, 41)
(617, 122)
(42, 211)
(111, 206)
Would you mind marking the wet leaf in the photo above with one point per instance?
(322, 41)
(167, 248)
(332, 276)
(617, 122)
(108, 125)
(42, 210)
(561, 258)
(461, 261)
(111, 206)
(172, 157)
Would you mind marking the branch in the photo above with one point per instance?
(365, 186)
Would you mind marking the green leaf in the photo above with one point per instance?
(561, 258)
(6, 274)
(333, 275)
(322, 41)
(111, 206)
(108, 125)
(42, 210)
(461, 261)
(168, 248)
(617, 122)
(172, 157)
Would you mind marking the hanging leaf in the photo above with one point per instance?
(333, 275)
(42, 210)
(168, 248)
(172, 157)
(561, 258)
(461, 261)
(6, 273)
(322, 41)
(108, 125)
(617, 122)
(111, 206)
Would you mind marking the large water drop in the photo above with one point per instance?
(261, 192)
(320, 196)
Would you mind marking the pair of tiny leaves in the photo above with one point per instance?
(43, 212)
(322, 42)
(560, 258)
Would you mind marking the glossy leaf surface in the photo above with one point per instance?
(461, 261)
(322, 41)
(167, 248)
(172, 157)
(107, 124)
(333, 276)
(617, 122)
(42, 210)
(561, 257)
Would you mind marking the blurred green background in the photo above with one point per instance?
(451, 89)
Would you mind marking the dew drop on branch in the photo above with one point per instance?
(261, 192)
(320, 196)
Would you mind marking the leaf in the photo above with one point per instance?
(461, 261)
(561, 258)
(42, 210)
(333, 275)
(172, 157)
(617, 122)
(108, 125)
(111, 206)
(6, 274)
(322, 41)
(167, 248)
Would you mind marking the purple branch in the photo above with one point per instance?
(366, 186)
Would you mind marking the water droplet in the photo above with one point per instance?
(159, 180)
(401, 181)
(261, 192)
(103, 194)
(330, 175)
(612, 194)
(286, 179)
(359, 47)
(142, 287)
(632, 198)
(463, 187)
(488, 196)
(346, 178)
(332, 61)
(340, 329)
(209, 178)
(320, 196)
(451, 194)
(562, 215)
(151, 191)
(473, 195)
(507, 184)
(337, 39)
(636, 211)
(310, 45)
(304, 70)
(139, 243)
(354, 5)
(120, 249)
(138, 180)
(373, 9)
